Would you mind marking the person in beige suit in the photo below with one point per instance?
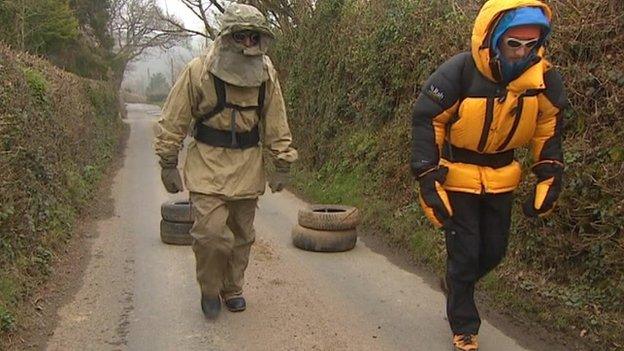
(231, 101)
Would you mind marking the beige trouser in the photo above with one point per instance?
(223, 233)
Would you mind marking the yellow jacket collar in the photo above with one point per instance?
(532, 78)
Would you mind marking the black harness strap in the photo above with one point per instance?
(222, 103)
(261, 95)
(229, 139)
(223, 138)
(497, 160)
(220, 91)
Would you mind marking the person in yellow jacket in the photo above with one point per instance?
(471, 115)
(231, 101)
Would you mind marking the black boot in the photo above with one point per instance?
(236, 304)
(211, 306)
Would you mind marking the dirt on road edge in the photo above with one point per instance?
(41, 308)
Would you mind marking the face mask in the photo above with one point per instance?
(237, 64)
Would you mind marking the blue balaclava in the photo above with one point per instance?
(514, 18)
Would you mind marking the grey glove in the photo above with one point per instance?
(169, 174)
(171, 180)
(281, 176)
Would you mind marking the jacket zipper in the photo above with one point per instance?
(516, 122)
(449, 144)
(489, 116)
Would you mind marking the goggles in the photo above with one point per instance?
(240, 37)
(516, 43)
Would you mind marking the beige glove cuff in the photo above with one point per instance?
(168, 160)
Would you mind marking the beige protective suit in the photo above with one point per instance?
(225, 182)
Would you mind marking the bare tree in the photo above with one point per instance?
(137, 25)
(177, 58)
(282, 14)
(205, 11)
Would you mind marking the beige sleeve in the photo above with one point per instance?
(277, 136)
(177, 112)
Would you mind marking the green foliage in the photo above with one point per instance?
(52, 23)
(37, 84)
(72, 34)
(8, 289)
(7, 321)
(57, 134)
(90, 54)
(351, 73)
(93, 17)
(157, 88)
(39, 26)
(8, 292)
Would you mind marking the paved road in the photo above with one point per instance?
(139, 294)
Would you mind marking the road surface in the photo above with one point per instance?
(140, 294)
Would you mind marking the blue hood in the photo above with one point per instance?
(514, 18)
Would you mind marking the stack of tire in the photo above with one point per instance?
(326, 228)
(176, 222)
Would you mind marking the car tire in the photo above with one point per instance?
(329, 217)
(178, 211)
(322, 240)
(175, 233)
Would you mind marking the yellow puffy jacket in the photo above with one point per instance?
(467, 120)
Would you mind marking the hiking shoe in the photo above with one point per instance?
(465, 342)
(236, 304)
(211, 306)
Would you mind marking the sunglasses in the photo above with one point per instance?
(240, 37)
(516, 43)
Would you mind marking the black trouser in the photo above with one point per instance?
(476, 242)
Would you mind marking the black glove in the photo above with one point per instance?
(169, 173)
(546, 191)
(281, 177)
(433, 197)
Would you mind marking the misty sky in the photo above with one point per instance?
(158, 61)
(175, 7)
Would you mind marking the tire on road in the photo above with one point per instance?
(329, 217)
(322, 240)
(176, 233)
(176, 211)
